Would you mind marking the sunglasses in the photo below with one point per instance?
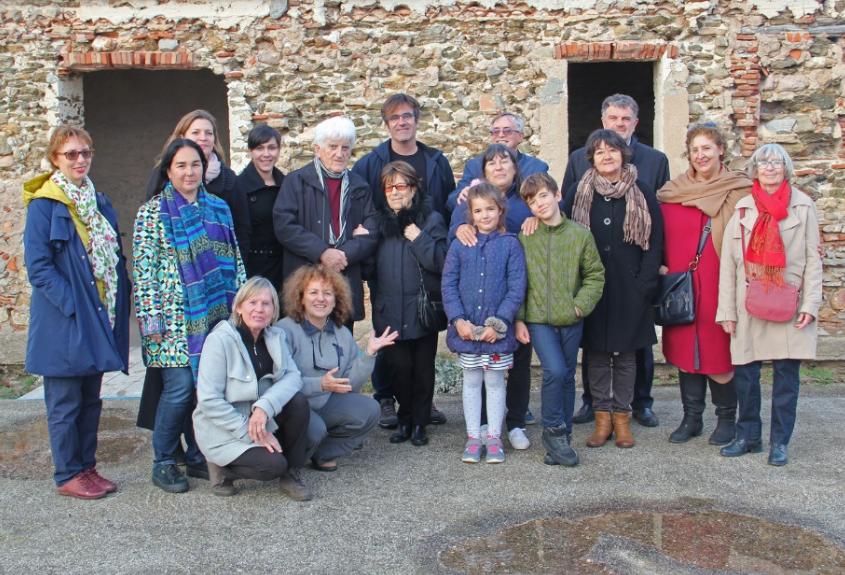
(72, 155)
(398, 187)
(502, 131)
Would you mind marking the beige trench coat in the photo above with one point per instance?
(758, 339)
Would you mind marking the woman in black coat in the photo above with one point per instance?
(626, 223)
(201, 127)
(259, 184)
(412, 248)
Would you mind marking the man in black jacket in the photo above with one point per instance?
(620, 114)
(401, 116)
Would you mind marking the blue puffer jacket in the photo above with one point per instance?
(482, 281)
(69, 330)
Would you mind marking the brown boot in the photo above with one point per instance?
(622, 429)
(221, 483)
(602, 431)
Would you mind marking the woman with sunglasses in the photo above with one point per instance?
(318, 303)
(79, 311)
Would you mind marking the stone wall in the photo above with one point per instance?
(765, 71)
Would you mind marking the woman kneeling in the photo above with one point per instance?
(249, 431)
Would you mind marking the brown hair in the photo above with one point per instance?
(535, 183)
(487, 191)
(397, 100)
(61, 135)
(253, 286)
(294, 290)
(612, 140)
(709, 130)
(399, 168)
(182, 128)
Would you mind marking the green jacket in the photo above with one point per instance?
(564, 272)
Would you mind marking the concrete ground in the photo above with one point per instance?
(394, 508)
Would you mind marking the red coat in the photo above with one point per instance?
(682, 229)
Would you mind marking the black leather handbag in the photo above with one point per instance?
(675, 294)
(431, 313)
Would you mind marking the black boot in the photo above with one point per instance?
(418, 436)
(693, 389)
(723, 396)
(402, 434)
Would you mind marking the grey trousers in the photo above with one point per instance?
(340, 425)
(612, 377)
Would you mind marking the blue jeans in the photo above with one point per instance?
(557, 348)
(173, 417)
(785, 387)
(73, 417)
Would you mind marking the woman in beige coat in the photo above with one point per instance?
(774, 235)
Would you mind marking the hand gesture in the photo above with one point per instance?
(464, 329)
(376, 343)
(462, 196)
(729, 327)
(360, 231)
(334, 259)
(334, 384)
(257, 426)
(529, 226)
(488, 335)
(270, 443)
(466, 235)
(522, 335)
(804, 319)
(412, 232)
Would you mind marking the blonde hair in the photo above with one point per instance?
(61, 135)
(252, 287)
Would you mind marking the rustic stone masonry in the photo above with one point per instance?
(764, 71)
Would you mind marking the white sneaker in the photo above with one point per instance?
(484, 434)
(518, 438)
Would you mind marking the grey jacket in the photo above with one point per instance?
(227, 391)
(318, 351)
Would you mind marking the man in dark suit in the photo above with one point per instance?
(620, 114)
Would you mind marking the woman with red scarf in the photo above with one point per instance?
(773, 240)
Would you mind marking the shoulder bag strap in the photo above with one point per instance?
(705, 232)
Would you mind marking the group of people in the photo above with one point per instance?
(506, 261)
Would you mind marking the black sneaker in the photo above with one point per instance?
(169, 478)
(197, 469)
(557, 444)
(387, 416)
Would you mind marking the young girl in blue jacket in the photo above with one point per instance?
(483, 288)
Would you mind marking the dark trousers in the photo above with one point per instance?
(642, 384)
(611, 379)
(518, 391)
(73, 417)
(258, 463)
(410, 364)
(785, 386)
(382, 388)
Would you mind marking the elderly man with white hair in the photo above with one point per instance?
(324, 211)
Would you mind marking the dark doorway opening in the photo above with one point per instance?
(130, 114)
(589, 84)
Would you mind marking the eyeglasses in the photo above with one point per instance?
(397, 187)
(71, 155)
(770, 163)
(407, 116)
(503, 131)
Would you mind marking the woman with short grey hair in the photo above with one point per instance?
(324, 211)
(770, 257)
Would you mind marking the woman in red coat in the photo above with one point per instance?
(707, 192)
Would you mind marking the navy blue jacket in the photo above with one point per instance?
(652, 169)
(439, 179)
(482, 281)
(515, 214)
(527, 165)
(69, 330)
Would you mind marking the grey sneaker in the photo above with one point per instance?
(387, 418)
(473, 450)
(518, 438)
(557, 443)
(291, 483)
(495, 450)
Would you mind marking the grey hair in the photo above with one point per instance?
(621, 101)
(517, 120)
(254, 285)
(335, 128)
(770, 152)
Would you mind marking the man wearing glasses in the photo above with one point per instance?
(507, 128)
(401, 115)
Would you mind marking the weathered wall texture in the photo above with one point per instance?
(765, 71)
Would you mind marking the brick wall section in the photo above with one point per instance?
(607, 51)
(745, 71)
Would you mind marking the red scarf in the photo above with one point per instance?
(765, 247)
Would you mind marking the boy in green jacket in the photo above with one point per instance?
(565, 282)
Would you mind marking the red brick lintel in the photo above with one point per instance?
(604, 51)
(87, 61)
